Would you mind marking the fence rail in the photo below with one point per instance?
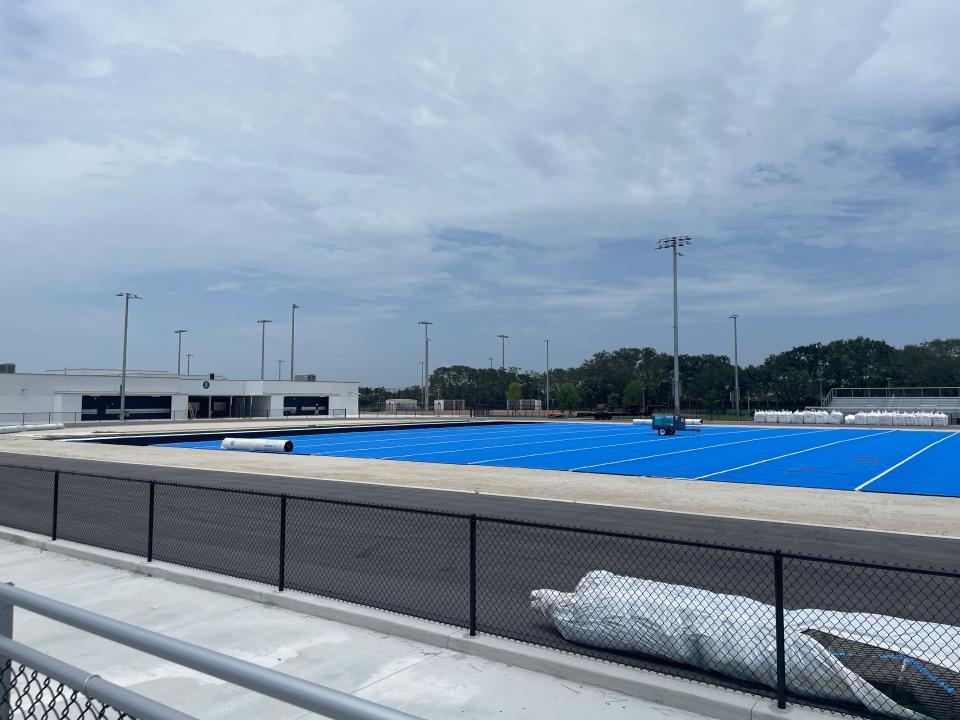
(98, 698)
(512, 578)
(153, 416)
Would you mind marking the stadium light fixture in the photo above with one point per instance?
(674, 243)
(547, 342)
(426, 361)
(179, 334)
(736, 366)
(293, 326)
(127, 297)
(263, 347)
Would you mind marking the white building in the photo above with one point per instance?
(78, 395)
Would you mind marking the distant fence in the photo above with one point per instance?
(478, 573)
(90, 416)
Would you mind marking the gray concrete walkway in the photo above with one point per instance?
(418, 678)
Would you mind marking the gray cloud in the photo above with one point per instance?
(478, 158)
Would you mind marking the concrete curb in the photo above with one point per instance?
(714, 702)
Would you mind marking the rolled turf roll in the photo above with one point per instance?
(257, 445)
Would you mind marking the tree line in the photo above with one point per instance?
(628, 377)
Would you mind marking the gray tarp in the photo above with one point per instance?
(899, 667)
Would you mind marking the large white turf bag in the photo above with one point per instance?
(735, 636)
(257, 445)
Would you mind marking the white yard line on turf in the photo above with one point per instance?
(495, 447)
(340, 448)
(904, 461)
(699, 449)
(600, 447)
(796, 452)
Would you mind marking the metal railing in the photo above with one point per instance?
(86, 417)
(15, 692)
(479, 572)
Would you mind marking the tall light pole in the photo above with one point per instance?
(179, 334)
(503, 351)
(491, 363)
(547, 341)
(736, 366)
(426, 361)
(127, 297)
(280, 369)
(675, 242)
(293, 335)
(263, 347)
(421, 372)
(189, 355)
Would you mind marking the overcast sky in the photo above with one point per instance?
(495, 167)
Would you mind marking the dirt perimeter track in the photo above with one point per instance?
(821, 522)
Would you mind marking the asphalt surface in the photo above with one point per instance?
(418, 563)
(868, 546)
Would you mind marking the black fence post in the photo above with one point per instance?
(150, 523)
(781, 651)
(283, 543)
(56, 504)
(473, 575)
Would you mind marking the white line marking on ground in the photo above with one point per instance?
(796, 452)
(334, 449)
(598, 447)
(904, 461)
(343, 445)
(494, 447)
(678, 452)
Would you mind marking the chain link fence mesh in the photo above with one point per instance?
(31, 695)
(26, 499)
(896, 632)
(416, 563)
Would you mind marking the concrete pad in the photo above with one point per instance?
(474, 688)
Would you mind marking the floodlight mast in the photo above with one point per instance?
(736, 366)
(673, 243)
(263, 347)
(426, 361)
(127, 297)
(179, 334)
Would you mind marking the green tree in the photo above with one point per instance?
(613, 401)
(514, 394)
(567, 397)
(633, 393)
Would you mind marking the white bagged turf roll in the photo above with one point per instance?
(940, 419)
(925, 419)
(643, 421)
(28, 428)
(257, 445)
(837, 418)
(759, 416)
(850, 420)
(733, 635)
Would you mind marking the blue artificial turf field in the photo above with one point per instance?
(892, 460)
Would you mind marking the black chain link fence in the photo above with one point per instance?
(31, 695)
(872, 640)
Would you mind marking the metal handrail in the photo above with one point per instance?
(295, 691)
(90, 684)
